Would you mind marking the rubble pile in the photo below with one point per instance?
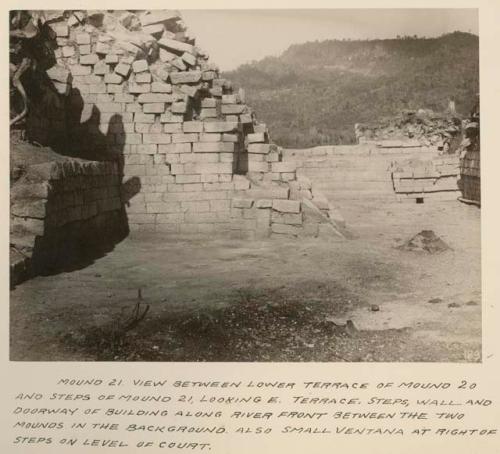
(134, 86)
(421, 128)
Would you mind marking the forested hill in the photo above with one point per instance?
(315, 92)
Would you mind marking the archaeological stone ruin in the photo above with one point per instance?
(131, 128)
(149, 138)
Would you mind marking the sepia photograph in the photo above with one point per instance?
(285, 185)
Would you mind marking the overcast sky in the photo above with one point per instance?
(233, 37)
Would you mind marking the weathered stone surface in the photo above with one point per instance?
(242, 203)
(285, 229)
(190, 59)
(140, 66)
(256, 137)
(122, 69)
(287, 218)
(185, 77)
(82, 38)
(261, 148)
(193, 126)
(90, 59)
(176, 46)
(161, 87)
(154, 97)
(213, 147)
(154, 29)
(113, 78)
(154, 107)
(158, 16)
(219, 126)
(286, 206)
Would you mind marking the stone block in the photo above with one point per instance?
(192, 126)
(263, 203)
(223, 167)
(78, 70)
(241, 203)
(229, 99)
(147, 149)
(161, 87)
(213, 147)
(176, 46)
(139, 66)
(246, 118)
(254, 166)
(196, 206)
(156, 138)
(208, 103)
(102, 48)
(179, 64)
(259, 148)
(232, 109)
(285, 229)
(175, 148)
(113, 78)
(219, 126)
(179, 107)
(143, 78)
(172, 127)
(214, 137)
(61, 30)
(109, 107)
(256, 137)
(68, 51)
(122, 69)
(101, 68)
(188, 58)
(183, 138)
(287, 218)
(208, 113)
(140, 117)
(97, 88)
(230, 137)
(153, 107)
(82, 38)
(166, 56)
(136, 88)
(90, 59)
(171, 118)
(153, 29)
(220, 205)
(185, 77)
(183, 178)
(111, 59)
(286, 206)
(154, 97)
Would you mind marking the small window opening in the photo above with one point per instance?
(420, 200)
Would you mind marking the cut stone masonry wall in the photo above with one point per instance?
(193, 158)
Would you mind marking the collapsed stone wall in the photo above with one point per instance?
(134, 87)
(61, 211)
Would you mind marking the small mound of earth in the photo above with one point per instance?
(425, 241)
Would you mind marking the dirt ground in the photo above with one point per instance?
(282, 299)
